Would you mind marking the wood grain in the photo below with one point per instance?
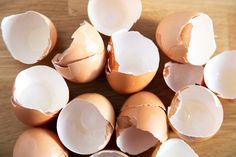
(68, 14)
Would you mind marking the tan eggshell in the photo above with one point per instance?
(109, 153)
(38, 142)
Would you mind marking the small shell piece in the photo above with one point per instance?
(174, 147)
(86, 124)
(29, 36)
(187, 37)
(110, 16)
(195, 113)
(220, 74)
(38, 142)
(178, 76)
(135, 130)
(109, 153)
(133, 61)
(39, 93)
(85, 59)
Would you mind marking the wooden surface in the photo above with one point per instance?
(68, 14)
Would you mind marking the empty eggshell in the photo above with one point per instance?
(195, 113)
(141, 124)
(85, 59)
(86, 124)
(174, 147)
(187, 37)
(110, 16)
(133, 61)
(177, 76)
(39, 93)
(109, 153)
(38, 142)
(29, 36)
(220, 76)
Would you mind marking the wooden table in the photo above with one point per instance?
(67, 16)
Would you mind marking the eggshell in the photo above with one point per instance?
(135, 131)
(86, 124)
(195, 113)
(36, 100)
(187, 37)
(220, 76)
(133, 62)
(110, 16)
(29, 36)
(109, 153)
(177, 76)
(38, 142)
(85, 59)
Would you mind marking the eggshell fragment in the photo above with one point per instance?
(39, 93)
(187, 37)
(195, 113)
(86, 124)
(38, 142)
(133, 61)
(177, 76)
(141, 125)
(109, 153)
(220, 74)
(29, 36)
(85, 59)
(110, 16)
(174, 147)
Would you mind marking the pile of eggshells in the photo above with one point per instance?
(131, 60)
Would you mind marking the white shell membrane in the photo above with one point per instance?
(41, 88)
(26, 35)
(109, 153)
(220, 74)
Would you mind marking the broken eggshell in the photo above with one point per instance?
(187, 37)
(38, 142)
(39, 93)
(109, 153)
(135, 129)
(85, 59)
(220, 76)
(133, 62)
(174, 147)
(110, 16)
(86, 124)
(29, 36)
(177, 75)
(195, 113)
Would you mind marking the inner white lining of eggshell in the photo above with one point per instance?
(82, 128)
(109, 153)
(175, 147)
(202, 42)
(199, 114)
(27, 36)
(109, 16)
(135, 141)
(135, 53)
(41, 88)
(220, 74)
(181, 75)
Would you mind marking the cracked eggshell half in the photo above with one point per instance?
(141, 125)
(38, 142)
(177, 75)
(220, 74)
(109, 153)
(29, 36)
(85, 59)
(195, 113)
(39, 93)
(174, 147)
(86, 124)
(132, 63)
(110, 16)
(187, 37)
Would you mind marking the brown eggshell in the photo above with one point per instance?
(109, 153)
(38, 142)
